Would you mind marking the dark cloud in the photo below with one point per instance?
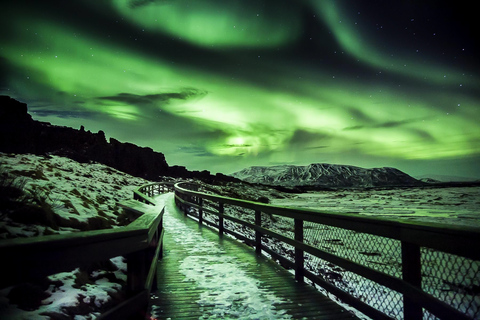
(245, 145)
(387, 124)
(133, 4)
(164, 97)
(304, 136)
(359, 127)
(64, 114)
(201, 132)
(198, 151)
(307, 140)
(187, 111)
(423, 135)
(394, 124)
(359, 115)
(317, 147)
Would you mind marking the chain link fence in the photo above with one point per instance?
(452, 279)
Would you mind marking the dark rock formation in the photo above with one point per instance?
(19, 133)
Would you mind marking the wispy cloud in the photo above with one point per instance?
(164, 97)
(387, 124)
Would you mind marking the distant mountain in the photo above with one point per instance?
(445, 178)
(326, 175)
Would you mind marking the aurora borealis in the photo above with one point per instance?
(222, 85)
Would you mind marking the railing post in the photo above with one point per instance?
(136, 272)
(220, 218)
(258, 234)
(299, 258)
(411, 270)
(151, 254)
(200, 210)
(160, 231)
(185, 206)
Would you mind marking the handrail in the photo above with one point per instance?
(145, 192)
(140, 242)
(411, 243)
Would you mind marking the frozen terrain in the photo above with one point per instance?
(65, 296)
(454, 205)
(71, 196)
(60, 195)
(84, 196)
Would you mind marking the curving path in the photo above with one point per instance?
(204, 276)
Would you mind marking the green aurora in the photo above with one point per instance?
(224, 85)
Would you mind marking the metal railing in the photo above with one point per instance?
(140, 242)
(385, 269)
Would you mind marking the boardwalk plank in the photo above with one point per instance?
(180, 298)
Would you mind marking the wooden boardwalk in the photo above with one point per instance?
(204, 276)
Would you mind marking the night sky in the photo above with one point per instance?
(225, 84)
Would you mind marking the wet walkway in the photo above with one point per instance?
(204, 276)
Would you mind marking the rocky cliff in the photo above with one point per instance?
(19, 133)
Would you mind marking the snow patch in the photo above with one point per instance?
(230, 291)
(78, 194)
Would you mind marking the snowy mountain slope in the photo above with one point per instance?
(325, 175)
(446, 178)
(59, 195)
(41, 195)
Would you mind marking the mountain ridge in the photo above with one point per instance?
(326, 175)
(20, 134)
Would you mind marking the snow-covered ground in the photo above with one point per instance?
(60, 195)
(454, 205)
(64, 296)
(448, 277)
(80, 196)
(83, 196)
